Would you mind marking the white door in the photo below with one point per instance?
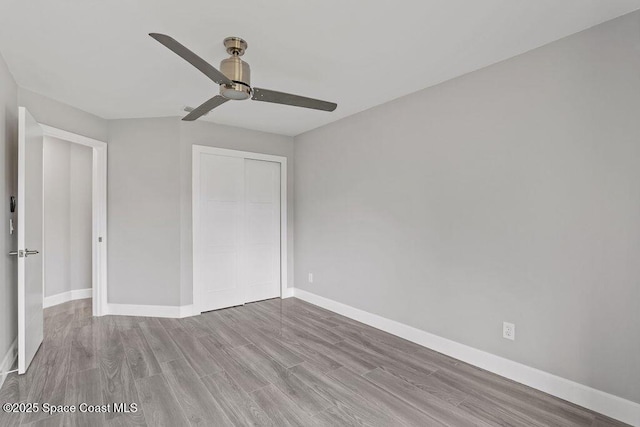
(29, 209)
(219, 241)
(262, 229)
(236, 230)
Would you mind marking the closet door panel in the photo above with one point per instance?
(219, 248)
(261, 253)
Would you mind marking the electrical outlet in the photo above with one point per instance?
(508, 331)
(310, 277)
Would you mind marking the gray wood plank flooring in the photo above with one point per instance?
(270, 363)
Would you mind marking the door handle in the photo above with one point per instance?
(20, 253)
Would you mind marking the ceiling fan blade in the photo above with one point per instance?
(267, 95)
(193, 59)
(205, 108)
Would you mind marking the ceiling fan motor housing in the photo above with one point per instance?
(236, 70)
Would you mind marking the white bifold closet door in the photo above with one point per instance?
(237, 249)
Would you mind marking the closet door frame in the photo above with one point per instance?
(198, 150)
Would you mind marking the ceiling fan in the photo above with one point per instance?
(234, 80)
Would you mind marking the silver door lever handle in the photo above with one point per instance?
(24, 253)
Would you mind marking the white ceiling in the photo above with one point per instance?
(96, 55)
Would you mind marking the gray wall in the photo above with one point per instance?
(144, 212)
(508, 194)
(56, 216)
(62, 116)
(150, 256)
(8, 171)
(80, 192)
(67, 216)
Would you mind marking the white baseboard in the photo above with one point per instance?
(67, 296)
(8, 360)
(590, 398)
(288, 293)
(173, 311)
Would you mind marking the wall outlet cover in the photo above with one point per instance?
(310, 277)
(508, 331)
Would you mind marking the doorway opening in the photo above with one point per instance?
(75, 207)
(67, 177)
(30, 229)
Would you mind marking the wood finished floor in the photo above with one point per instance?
(271, 363)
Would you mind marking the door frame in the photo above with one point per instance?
(195, 206)
(98, 213)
